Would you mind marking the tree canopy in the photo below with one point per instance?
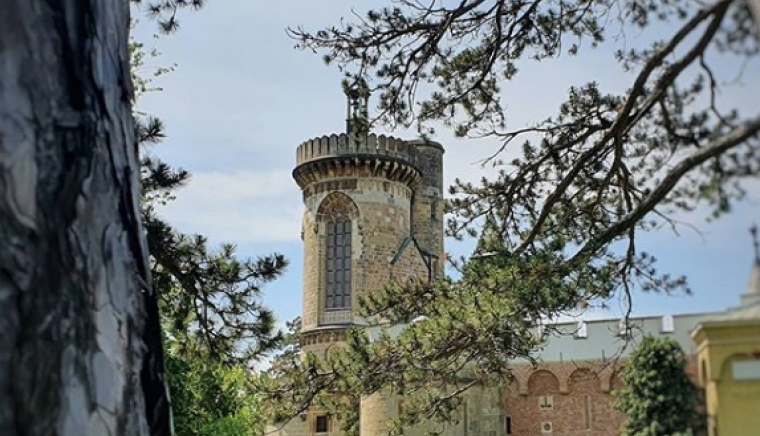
(565, 215)
(658, 399)
(211, 398)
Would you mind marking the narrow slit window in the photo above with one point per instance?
(587, 412)
(546, 402)
(338, 295)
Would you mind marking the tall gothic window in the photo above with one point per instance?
(338, 294)
(337, 212)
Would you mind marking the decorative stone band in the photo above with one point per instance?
(351, 156)
(323, 336)
(356, 166)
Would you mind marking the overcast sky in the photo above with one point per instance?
(242, 99)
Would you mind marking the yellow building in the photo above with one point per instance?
(728, 352)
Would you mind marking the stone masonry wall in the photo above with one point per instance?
(428, 204)
(384, 220)
(481, 414)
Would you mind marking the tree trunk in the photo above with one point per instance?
(755, 5)
(80, 341)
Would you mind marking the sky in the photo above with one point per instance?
(242, 98)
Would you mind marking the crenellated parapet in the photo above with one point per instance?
(344, 155)
(344, 144)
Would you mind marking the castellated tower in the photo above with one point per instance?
(368, 198)
(372, 215)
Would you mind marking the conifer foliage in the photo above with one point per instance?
(214, 323)
(210, 299)
(165, 12)
(658, 399)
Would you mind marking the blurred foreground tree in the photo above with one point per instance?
(659, 399)
(81, 346)
(564, 216)
(80, 350)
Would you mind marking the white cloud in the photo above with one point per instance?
(238, 207)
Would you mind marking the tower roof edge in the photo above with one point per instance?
(426, 143)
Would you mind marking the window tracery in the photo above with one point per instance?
(337, 213)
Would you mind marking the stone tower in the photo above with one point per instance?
(373, 214)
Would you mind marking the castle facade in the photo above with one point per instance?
(374, 214)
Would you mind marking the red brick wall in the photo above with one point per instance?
(571, 388)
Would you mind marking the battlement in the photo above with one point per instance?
(345, 145)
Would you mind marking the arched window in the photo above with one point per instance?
(338, 256)
(337, 213)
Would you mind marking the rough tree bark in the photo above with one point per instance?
(755, 5)
(80, 349)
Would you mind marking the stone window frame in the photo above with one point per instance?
(547, 427)
(434, 210)
(321, 419)
(545, 402)
(336, 206)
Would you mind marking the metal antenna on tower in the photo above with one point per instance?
(357, 118)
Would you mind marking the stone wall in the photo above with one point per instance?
(327, 147)
(562, 400)
(480, 414)
(382, 221)
(581, 400)
(428, 204)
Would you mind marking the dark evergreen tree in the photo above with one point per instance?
(565, 215)
(658, 399)
(210, 300)
(215, 326)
